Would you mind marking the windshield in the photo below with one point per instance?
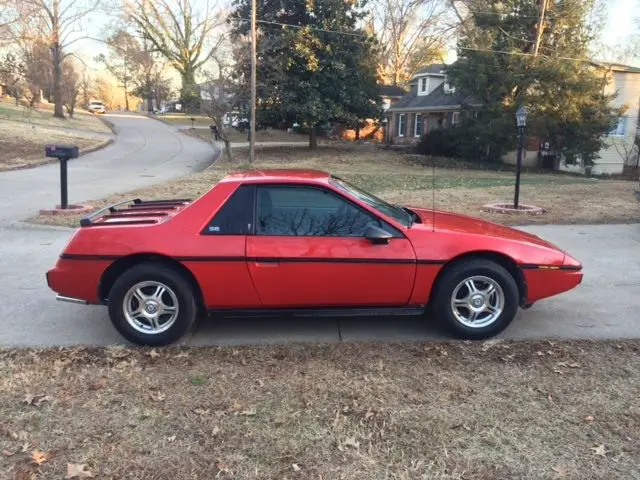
(397, 213)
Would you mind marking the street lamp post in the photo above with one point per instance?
(521, 121)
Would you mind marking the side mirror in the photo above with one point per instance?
(377, 235)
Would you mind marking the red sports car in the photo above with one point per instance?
(301, 242)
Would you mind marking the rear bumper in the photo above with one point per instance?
(77, 281)
(71, 300)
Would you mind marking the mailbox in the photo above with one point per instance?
(63, 153)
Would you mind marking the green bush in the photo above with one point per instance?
(442, 143)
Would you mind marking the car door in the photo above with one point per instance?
(309, 250)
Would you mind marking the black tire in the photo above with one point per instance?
(171, 278)
(457, 273)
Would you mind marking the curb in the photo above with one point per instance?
(110, 125)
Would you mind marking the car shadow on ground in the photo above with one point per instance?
(280, 330)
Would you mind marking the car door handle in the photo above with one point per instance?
(267, 262)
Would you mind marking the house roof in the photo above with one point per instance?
(433, 69)
(436, 100)
(617, 67)
(391, 91)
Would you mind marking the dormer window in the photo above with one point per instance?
(423, 85)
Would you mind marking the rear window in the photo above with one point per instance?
(235, 217)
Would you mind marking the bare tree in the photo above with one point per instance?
(219, 99)
(411, 33)
(57, 23)
(71, 83)
(104, 92)
(34, 71)
(86, 86)
(180, 32)
(10, 75)
(124, 60)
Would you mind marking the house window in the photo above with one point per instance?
(423, 84)
(455, 119)
(402, 125)
(418, 125)
(621, 128)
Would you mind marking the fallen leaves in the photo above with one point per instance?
(78, 470)
(8, 453)
(99, 384)
(599, 450)
(157, 396)
(39, 457)
(560, 472)
(296, 467)
(349, 442)
(36, 400)
(153, 353)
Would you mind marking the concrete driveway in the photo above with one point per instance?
(605, 305)
(145, 152)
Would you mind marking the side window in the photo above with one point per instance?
(235, 217)
(307, 211)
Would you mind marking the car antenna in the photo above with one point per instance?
(433, 193)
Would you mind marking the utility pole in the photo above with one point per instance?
(252, 120)
(540, 29)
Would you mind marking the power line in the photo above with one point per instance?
(509, 14)
(307, 26)
(522, 54)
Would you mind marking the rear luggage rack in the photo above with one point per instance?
(139, 212)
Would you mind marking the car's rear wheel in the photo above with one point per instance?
(152, 304)
(476, 299)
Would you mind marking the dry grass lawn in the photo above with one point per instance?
(272, 135)
(22, 145)
(398, 178)
(44, 117)
(485, 411)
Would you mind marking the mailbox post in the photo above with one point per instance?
(62, 153)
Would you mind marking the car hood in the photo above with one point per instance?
(452, 222)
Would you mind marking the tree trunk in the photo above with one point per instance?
(126, 98)
(188, 92)
(150, 103)
(357, 132)
(313, 140)
(227, 150)
(58, 111)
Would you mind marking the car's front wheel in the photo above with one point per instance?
(476, 299)
(152, 304)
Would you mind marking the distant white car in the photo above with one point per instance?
(96, 106)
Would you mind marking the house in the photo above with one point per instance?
(620, 151)
(430, 104)
(390, 94)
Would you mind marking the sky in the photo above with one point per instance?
(619, 27)
(621, 18)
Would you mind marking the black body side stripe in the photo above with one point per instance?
(73, 256)
(392, 261)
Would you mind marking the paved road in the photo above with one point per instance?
(145, 152)
(605, 306)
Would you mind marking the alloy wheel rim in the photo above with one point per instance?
(477, 301)
(150, 307)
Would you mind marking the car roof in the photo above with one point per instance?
(294, 175)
